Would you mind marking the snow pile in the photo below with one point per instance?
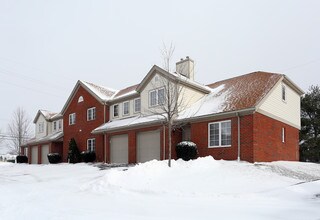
(199, 189)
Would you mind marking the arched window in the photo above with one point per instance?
(80, 99)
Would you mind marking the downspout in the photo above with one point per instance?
(164, 142)
(104, 134)
(237, 114)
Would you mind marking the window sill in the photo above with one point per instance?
(219, 146)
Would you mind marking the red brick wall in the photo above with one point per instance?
(81, 130)
(260, 138)
(268, 145)
(56, 147)
(199, 135)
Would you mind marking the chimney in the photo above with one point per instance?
(185, 67)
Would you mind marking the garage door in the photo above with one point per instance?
(34, 155)
(119, 149)
(148, 146)
(44, 154)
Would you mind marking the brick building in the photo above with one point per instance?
(252, 117)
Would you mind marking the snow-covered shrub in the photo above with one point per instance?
(54, 157)
(88, 156)
(22, 159)
(187, 150)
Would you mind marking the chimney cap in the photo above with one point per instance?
(187, 57)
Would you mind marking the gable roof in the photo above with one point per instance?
(48, 115)
(234, 94)
(172, 76)
(100, 93)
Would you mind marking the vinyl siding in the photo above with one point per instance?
(286, 111)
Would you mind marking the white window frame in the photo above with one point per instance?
(113, 112)
(60, 124)
(283, 135)
(283, 93)
(72, 118)
(91, 144)
(91, 114)
(127, 103)
(55, 126)
(41, 127)
(220, 134)
(156, 97)
(135, 105)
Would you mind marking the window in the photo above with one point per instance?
(137, 105)
(54, 126)
(156, 97)
(72, 119)
(60, 124)
(283, 135)
(41, 127)
(80, 99)
(153, 98)
(125, 108)
(91, 144)
(161, 96)
(219, 134)
(284, 95)
(91, 114)
(115, 110)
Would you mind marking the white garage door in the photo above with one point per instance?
(119, 149)
(44, 154)
(148, 146)
(34, 155)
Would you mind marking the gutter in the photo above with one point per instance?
(222, 114)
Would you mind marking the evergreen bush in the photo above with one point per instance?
(88, 156)
(73, 154)
(54, 158)
(22, 159)
(187, 150)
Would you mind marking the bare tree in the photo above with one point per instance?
(170, 99)
(19, 130)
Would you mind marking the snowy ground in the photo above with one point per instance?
(200, 189)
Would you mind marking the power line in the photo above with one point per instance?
(300, 65)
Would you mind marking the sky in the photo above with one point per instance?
(46, 46)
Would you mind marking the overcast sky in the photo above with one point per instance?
(46, 46)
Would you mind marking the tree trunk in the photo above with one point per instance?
(169, 139)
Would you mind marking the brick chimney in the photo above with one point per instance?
(185, 67)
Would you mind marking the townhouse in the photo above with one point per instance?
(252, 117)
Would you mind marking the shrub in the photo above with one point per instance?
(187, 150)
(88, 156)
(22, 159)
(54, 158)
(73, 154)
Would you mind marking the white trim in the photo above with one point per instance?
(115, 116)
(220, 145)
(72, 118)
(92, 140)
(283, 135)
(91, 111)
(123, 113)
(157, 96)
(134, 105)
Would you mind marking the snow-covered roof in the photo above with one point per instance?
(129, 122)
(49, 138)
(238, 93)
(48, 115)
(102, 92)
